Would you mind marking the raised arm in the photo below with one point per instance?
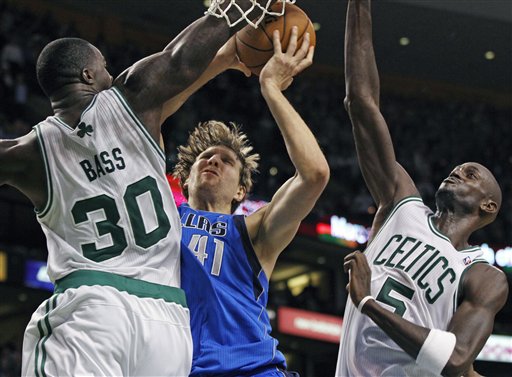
(272, 228)
(485, 291)
(387, 181)
(225, 58)
(154, 80)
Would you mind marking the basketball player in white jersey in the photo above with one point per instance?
(423, 300)
(96, 176)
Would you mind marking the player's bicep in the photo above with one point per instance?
(472, 324)
(485, 291)
(152, 81)
(281, 218)
(12, 161)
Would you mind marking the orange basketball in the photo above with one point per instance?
(254, 46)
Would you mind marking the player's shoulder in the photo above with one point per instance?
(485, 283)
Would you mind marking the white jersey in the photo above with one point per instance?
(416, 273)
(109, 204)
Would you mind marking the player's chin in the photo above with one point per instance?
(446, 193)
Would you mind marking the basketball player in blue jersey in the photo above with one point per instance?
(226, 268)
(423, 300)
(96, 176)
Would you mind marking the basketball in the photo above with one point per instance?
(254, 47)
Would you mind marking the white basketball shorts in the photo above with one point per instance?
(121, 327)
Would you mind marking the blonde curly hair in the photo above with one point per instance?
(212, 133)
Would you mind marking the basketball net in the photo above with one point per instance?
(216, 11)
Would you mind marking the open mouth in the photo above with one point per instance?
(452, 180)
(211, 172)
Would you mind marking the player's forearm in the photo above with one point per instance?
(410, 337)
(407, 335)
(191, 52)
(373, 141)
(216, 67)
(361, 74)
(301, 144)
(203, 39)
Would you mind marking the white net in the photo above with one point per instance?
(219, 10)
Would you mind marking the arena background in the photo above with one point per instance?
(446, 68)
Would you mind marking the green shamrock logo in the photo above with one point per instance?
(84, 129)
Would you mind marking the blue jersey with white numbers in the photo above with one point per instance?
(227, 293)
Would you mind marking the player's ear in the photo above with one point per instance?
(489, 206)
(87, 76)
(240, 194)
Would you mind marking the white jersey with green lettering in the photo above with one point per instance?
(109, 205)
(416, 273)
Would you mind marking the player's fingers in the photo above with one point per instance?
(349, 256)
(362, 263)
(276, 40)
(292, 45)
(360, 257)
(311, 54)
(304, 63)
(347, 265)
(304, 47)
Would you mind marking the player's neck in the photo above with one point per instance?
(209, 205)
(68, 106)
(458, 229)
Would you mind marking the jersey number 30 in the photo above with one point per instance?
(109, 225)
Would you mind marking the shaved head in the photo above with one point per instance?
(470, 188)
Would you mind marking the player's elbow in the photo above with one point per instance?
(458, 363)
(359, 104)
(322, 174)
(318, 175)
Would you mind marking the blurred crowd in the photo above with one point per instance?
(10, 360)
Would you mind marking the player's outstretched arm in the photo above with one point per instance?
(386, 180)
(154, 80)
(22, 167)
(226, 58)
(272, 228)
(451, 350)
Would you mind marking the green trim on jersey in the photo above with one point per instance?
(405, 200)
(139, 123)
(435, 231)
(458, 293)
(441, 235)
(49, 184)
(64, 124)
(139, 288)
(44, 334)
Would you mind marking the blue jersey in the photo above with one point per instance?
(227, 293)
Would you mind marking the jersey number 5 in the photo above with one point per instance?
(392, 285)
(108, 226)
